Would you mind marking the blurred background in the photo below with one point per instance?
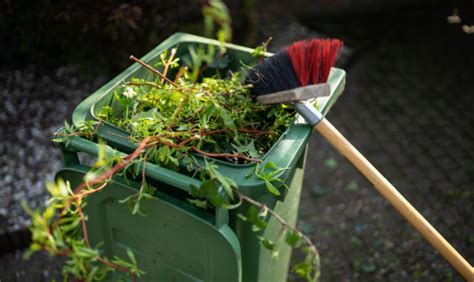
(408, 106)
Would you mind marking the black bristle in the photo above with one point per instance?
(273, 74)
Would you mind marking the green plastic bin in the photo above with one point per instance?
(252, 262)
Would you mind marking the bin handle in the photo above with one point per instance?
(172, 178)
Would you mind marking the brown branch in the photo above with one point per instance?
(167, 65)
(90, 191)
(152, 69)
(106, 175)
(83, 223)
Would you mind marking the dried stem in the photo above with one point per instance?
(152, 69)
(265, 44)
(167, 65)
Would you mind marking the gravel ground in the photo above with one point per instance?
(408, 106)
(35, 103)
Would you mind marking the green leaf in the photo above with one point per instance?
(209, 190)
(256, 219)
(85, 252)
(174, 161)
(270, 165)
(226, 182)
(249, 149)
(272, 189)
(131, 256)
(267, 244)
(293, 238)
(227, 119)
(125, 200)
(163, 153)
(303, 270)
(136, 207)
(199, 203)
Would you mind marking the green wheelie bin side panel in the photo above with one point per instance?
(258, 263)
(170, 243)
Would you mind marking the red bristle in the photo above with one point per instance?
(298, 53)
(316, 50)
(312, 59)
(331, 49)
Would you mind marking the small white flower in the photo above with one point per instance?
(129, 92)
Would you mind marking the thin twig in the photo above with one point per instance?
(83, 223)
(90, 191)
(265, 44)
(167, 65)
(152, 69)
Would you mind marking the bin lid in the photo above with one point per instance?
(170, 243)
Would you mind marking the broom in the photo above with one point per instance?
(285, 75)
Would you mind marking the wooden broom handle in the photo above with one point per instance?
(389, 192)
